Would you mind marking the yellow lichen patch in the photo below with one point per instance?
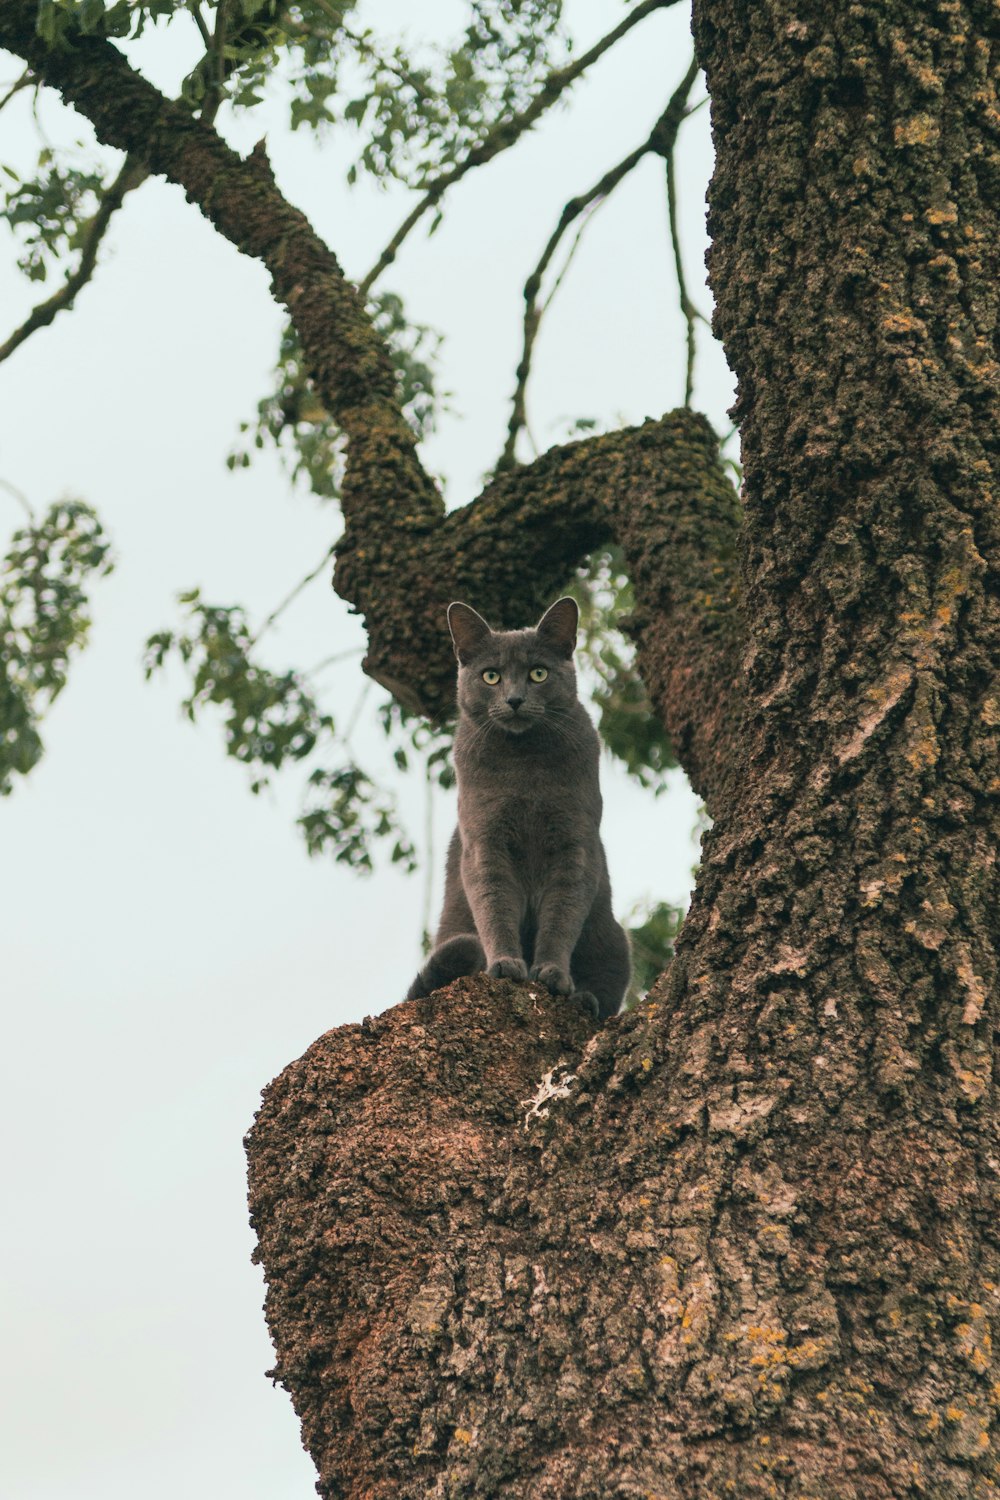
(902, 322)
(924, 753)
(955, 1414)
(462, 1435)
(947, 214)
(975, 1341)
(918, 130)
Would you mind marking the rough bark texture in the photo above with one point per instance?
(371, 1154)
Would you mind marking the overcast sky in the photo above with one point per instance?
(167, 945)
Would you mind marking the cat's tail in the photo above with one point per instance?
(457, 956)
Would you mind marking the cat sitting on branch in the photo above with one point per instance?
(527, 894)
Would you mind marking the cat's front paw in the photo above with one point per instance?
(555, 980)
(587, 1002)
(509, 968)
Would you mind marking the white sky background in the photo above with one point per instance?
(166, 944)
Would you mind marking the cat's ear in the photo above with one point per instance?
(557, 627)
(469, 631)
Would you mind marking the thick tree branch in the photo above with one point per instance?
(400, 561)
(353, 1108)
(753, 1250)
(660, 492)
(507, 133)
(347, 360)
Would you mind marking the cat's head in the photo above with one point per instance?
(514, 680)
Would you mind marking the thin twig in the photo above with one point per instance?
(588, 214)
(199, 20)
(26, 78)
(294, 593)
(690, 312)
(352, 722)
(133, 173)
(19, 496)
(660, 140)
(338, 656)
(532, 312)
(506, 132)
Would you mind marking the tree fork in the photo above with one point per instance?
(401, 561)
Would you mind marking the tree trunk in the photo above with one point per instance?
(754, 1249)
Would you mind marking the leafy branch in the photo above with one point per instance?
(88, 240)
(506, 133)
(293, 418)
(653, 931)
(272, 719)
(629, 725)
(50, 207)
(44, 620)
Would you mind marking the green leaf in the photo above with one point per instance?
(44, 622)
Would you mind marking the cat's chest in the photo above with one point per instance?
(527, 816)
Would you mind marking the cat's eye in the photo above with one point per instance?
(538, 674)
(490, 677)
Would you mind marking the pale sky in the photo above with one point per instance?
(167, 945)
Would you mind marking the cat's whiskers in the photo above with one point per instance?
(563, 723)
(479, 732)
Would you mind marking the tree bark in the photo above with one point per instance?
(755, 1249)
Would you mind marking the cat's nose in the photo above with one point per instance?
(515, 703)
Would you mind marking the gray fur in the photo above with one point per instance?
(527, 894)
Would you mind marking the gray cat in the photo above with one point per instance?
(526, 893)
